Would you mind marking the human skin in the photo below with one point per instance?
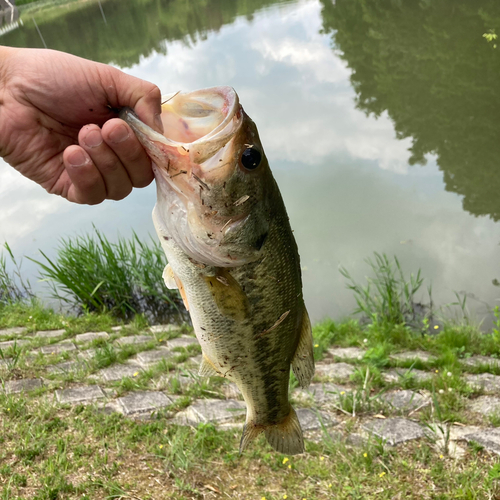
(58, 124)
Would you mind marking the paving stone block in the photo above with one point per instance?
(405, 400)
(50, 334)
(87, 354)
(163, 328)
(397, 375)
(147, 358)
(395, 430)
(231, 391)
(16, 330)
(475, 361)
(487, 405)
(489, 438)
(11, 343)
(22, 385)
(85, 394)
(91, 336)
(143, 402)
(117, 328)
(134, 339)
(347, 352)
(117, 372)
(484, 381)
(335, 371)
(214, 410)
(5, 363)
(311, 420)
(183, 341)
(194, 361)
(413, 356)
(64, 346)
(66, 367)
(321, 393)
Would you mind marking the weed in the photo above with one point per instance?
(12, 286)
(389, 296)
(93, 274)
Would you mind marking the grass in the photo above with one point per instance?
(93, 274)
(49, 451)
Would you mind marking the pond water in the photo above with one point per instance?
(380, 124)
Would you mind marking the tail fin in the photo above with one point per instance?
(285, 437)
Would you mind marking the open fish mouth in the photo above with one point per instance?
(192, 160)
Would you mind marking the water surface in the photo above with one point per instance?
(379, 122)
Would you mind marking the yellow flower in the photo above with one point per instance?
(263, 498)
(382, 474)
(365, 454)
(285, 497)
(342, 393)
(136, 373)
(330, 485)
(436, 327)
(437, 371)
(316, 345)
(289, 466)
(321, 458)
(285, 460)
(441, 457)
(161, 446)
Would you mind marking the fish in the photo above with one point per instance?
(232, 255)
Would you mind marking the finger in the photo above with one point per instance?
(120, 138)
(87, 185)
(115, 176)
(142, 96)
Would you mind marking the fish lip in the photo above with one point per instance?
(232, 103)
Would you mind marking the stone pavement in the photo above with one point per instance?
(139, 374)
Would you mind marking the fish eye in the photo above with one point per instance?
(251, 158)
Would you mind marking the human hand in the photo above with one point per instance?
(52, 108)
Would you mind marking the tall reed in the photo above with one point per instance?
(13, 288)
(125, 278)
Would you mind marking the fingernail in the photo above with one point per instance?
(119, 134)
(93, 139)
(77, 158)
(159, 123)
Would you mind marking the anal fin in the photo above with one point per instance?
(207, 369)
(174, 283)
(303, 360)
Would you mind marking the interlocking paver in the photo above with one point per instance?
(487, 405)
(66, 367)
(311, 420)
(91, 336)
(476, 361)
(163, 328)
(211, 410)
(64, 346)
(143, 402)
(413, 356)
(50, 334)
(75, 395)
(321, 393)
(347, 352)
(134, 339)
(395, 430)
(15, 330)
(484, 381)
(405, 400)
(489, 438)
(335, 371)
(183, 341)
(6, 344)
(396, 375)
(117, 372)
(22, 385)
(147, 358)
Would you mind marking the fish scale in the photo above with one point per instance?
(231, 252)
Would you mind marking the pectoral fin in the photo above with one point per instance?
(228, 295)
(207, 368)
(303, 361)
(174, 283)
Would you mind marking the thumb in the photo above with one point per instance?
(142, 96)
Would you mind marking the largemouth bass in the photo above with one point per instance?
(232, 255)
